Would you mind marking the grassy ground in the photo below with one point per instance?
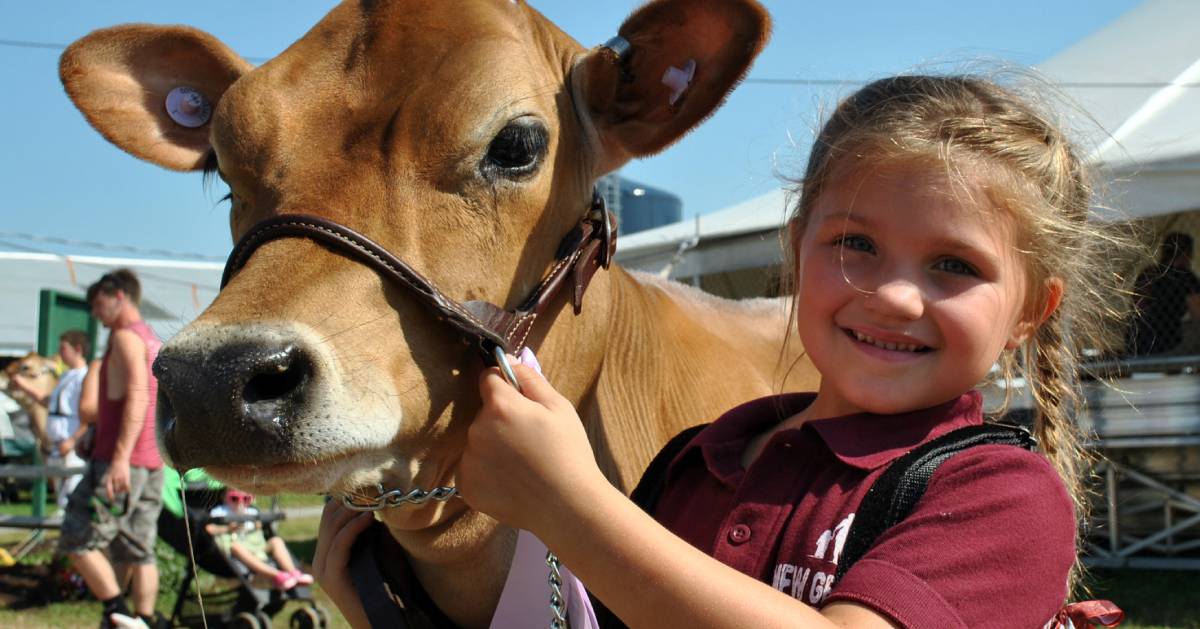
(1151, 599)
(300, 536)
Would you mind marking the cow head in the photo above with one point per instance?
(39, 372)
(462, 136)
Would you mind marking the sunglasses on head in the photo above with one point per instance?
(239, 499)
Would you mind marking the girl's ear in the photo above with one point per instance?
(682, 59)
(1027, 328)
(126, 80)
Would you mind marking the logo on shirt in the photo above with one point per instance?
(805, 583)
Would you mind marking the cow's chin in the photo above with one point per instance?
(335, 475)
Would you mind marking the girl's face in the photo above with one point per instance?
(908, 290)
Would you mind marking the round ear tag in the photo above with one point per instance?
(188, 107)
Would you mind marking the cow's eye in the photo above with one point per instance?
(517, 150)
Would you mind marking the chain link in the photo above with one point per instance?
(397, 498)
(558, 605)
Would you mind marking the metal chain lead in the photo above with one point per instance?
(398, 498)
(558, 605)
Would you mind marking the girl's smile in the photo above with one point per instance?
(909, 287)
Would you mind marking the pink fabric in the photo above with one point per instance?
(525, 601)
(108, 426)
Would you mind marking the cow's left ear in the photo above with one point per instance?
(151, 90)
(674, 63)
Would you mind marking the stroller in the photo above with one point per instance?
(246, 603)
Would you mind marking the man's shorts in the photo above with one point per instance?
(127, 526)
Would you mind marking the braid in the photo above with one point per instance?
(1057, 395)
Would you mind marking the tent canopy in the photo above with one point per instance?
(173, 292)
(1138, 79)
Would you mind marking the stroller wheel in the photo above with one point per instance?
(322, 614)
(264, 620)
(305, 618)
(246, 620)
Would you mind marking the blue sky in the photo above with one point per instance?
(60, 180)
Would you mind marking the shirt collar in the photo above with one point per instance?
(869, 441)
(863, 440)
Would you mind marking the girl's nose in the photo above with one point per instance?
(899, 298)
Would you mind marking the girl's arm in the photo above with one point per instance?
(39, 397)
(528, 463)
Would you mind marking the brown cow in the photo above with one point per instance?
(41, 374)
(464, 137)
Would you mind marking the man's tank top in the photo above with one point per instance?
(108, 426)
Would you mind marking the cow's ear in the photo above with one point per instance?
(677, 62)
(121, 77)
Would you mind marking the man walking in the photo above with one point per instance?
(117, 503)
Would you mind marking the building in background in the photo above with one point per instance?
(638, 207)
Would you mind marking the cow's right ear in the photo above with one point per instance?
(671, 66)
(121, 77)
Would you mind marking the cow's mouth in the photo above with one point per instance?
(336, 474)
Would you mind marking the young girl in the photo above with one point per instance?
(941, 229)
(245, 541)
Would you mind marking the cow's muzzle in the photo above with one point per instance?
(233, 405)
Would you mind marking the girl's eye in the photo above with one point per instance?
(956, 266)
(854, 243)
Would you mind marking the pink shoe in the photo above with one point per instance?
(285, 581)
(302, 578)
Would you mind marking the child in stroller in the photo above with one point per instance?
(249, 602)
(238, 533)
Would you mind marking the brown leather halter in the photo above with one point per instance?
(587, 247)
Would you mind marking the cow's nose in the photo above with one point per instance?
(274, 386)
(245, 392)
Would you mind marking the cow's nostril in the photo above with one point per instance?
(271, 386)
(272, 394)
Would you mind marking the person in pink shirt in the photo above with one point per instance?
(116, 505)
(941, 232)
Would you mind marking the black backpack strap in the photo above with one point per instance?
(898, 490)
(649, 489)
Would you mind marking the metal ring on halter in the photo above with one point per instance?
(619, 45)
(505, 368)
(608, 236)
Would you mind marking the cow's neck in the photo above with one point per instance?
(629, 333)
(462, 560)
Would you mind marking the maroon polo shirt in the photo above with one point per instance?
(989, 545)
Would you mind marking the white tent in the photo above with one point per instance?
(1138, 79)
(173, 292)
(732, 239)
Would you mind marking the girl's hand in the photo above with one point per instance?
(335, 537)
(525, 454)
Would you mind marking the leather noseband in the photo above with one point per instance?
(587, 247)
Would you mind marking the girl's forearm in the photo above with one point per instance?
(645, 574)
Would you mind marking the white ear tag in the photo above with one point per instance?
(679, 80)
(188, 107)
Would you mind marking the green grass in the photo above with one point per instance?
(299, 534)
(1150, 598)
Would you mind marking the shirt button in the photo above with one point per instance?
(739, 534)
